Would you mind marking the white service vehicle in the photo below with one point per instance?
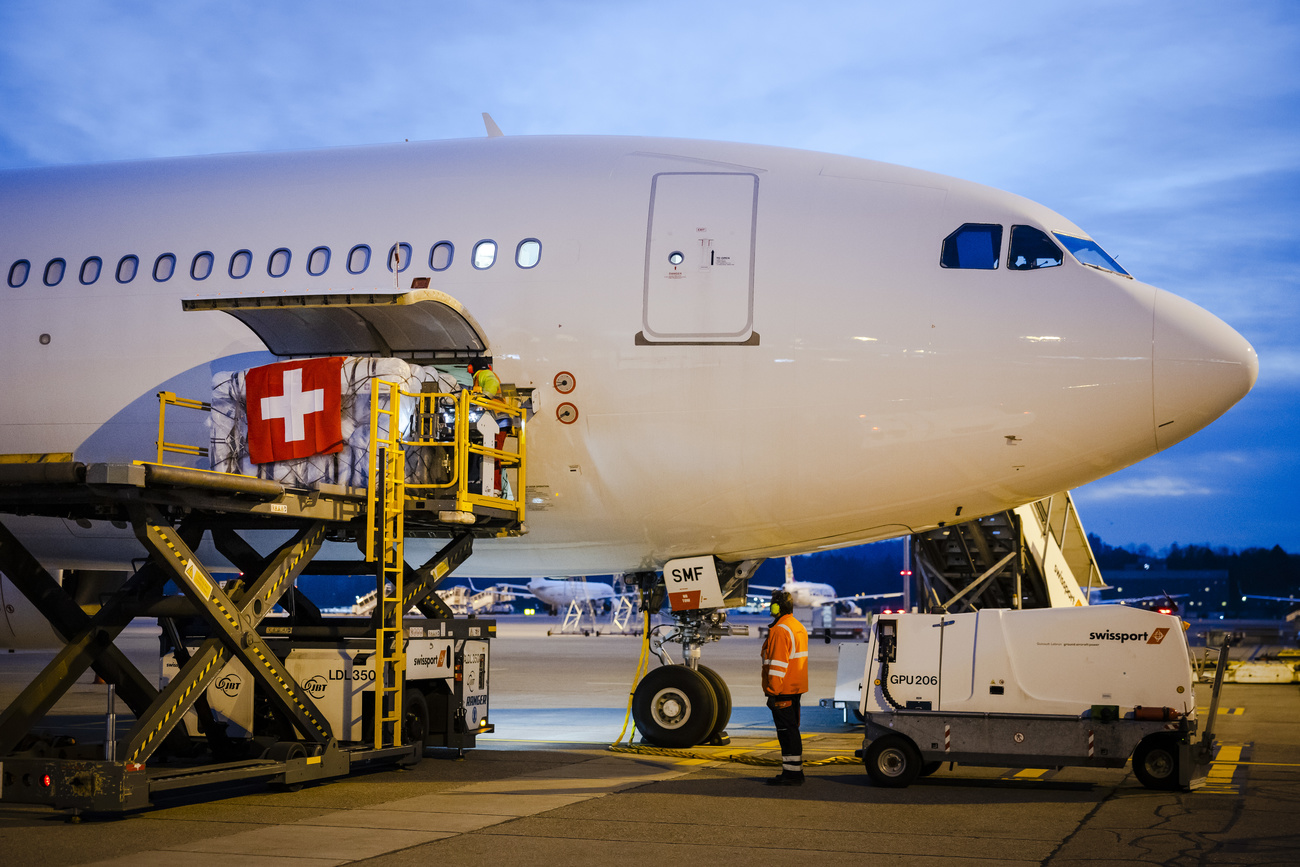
(1044, 687)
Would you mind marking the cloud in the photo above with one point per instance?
(1151, 487)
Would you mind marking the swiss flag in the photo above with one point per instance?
(294, 410)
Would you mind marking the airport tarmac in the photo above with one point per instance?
(544, 788)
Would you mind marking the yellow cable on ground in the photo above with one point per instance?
(636, 677)
(724, 756)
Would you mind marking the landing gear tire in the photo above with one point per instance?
(892, 762)
(724, 700)
(1155, 762)
(674, 706)
(415, 721)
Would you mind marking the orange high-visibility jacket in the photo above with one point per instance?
(785, 658)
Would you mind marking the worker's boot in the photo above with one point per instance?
(786, 778)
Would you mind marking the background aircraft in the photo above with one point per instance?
(558, 593)
(810, 594)
(1164, 603)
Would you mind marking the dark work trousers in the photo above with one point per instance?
(785, 715)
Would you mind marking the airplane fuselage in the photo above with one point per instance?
(806, 375)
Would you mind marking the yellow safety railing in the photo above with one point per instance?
(432, 429)
(166, 399)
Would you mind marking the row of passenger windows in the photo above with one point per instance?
(484, 255)
(979, 246)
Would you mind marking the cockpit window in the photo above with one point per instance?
(974, 245)
(1030, 249)
(1088, 252)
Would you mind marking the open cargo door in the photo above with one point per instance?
(422, 326)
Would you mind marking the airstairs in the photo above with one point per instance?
(461, 601)
(1034, 556)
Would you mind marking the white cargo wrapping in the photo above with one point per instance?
(1037, 661)
(229, 425)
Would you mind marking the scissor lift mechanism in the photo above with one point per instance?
(170, 510)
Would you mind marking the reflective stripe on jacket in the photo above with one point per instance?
(785, 658)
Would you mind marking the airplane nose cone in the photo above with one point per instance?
(1200, 368)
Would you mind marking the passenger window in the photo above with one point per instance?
(126, 268)
(54, 272)
(163, 267)
(974, 245)
(201, 267)
(404, 252)
(1031, 249)
(440, 256)
(358, 259)
(528, 253)
(278, 264)
(90, 270)
(18, 272)
(485, 253)
(318, 261)
(240, 264)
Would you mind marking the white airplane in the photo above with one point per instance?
(810, 594)
(735, 350)
(559, 593)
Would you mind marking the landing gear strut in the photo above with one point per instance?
(688, 704)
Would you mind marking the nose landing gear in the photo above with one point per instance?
(689, 704)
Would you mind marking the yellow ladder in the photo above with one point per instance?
(385, 530)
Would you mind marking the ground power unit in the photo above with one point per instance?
(1087, 686)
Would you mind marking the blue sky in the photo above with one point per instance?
(1168, 130)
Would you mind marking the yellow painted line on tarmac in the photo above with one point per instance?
(765, 745)
(536, 741)
(694, 762)
(1218, 779)
(1030, 773)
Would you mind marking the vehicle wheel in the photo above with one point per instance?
(674, 706)
(286, 750)
(415, 721)
(283, 752)
(1155, 761)
(724, 700)
(892, 762)
(929, 768)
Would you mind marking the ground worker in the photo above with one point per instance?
(487, 384)
(484, 379)
(785, 679)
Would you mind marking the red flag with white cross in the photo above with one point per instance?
(294, 410)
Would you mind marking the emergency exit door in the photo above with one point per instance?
(699, 272)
